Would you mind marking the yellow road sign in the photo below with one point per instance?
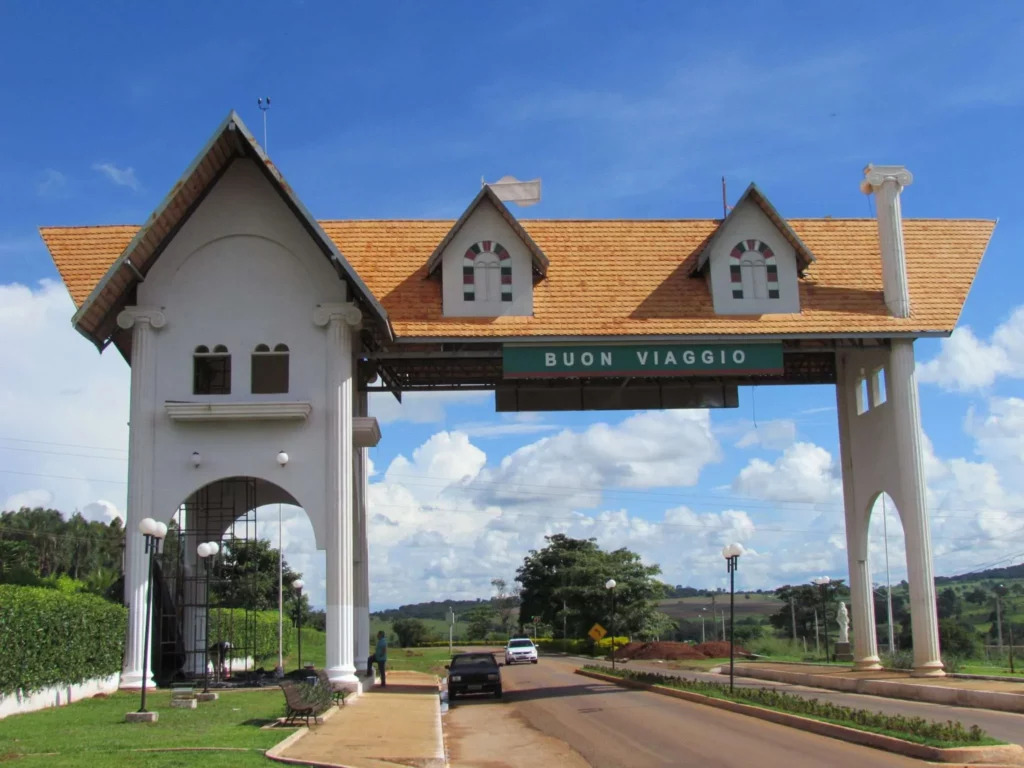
(597, 632)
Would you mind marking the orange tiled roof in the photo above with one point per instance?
(625, 277)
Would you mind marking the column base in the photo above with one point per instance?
(929, 669)
(345, 677)
(870, 664)
(132, 681)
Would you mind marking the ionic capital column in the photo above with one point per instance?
(887, 181)
(340, 321)
(141, 464)
(913, 508)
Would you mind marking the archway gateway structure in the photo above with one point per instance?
(253, 329)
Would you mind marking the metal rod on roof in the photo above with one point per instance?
(725, 205)
(263, 109)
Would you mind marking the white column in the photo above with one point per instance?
(340, 319)
(141, 460)
(362, 561)
(862, 604)
(913, 508)
(887, 181)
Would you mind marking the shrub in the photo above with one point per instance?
(898, 660)
(958, 638)
(252, 633)
(915, 728)
(50, 637)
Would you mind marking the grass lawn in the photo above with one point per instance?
(93, 734)
(314, 649)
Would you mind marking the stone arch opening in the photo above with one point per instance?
(887, 558)
(211, 614)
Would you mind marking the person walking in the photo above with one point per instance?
(380, 656)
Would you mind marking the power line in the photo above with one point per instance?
(63, 445)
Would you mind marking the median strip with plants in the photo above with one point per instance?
(943, 735)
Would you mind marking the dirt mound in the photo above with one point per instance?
(664, 650)
(719, 649)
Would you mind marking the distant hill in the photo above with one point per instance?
(1010, 572)
(433, 610)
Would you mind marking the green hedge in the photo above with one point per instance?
(586, 647)
(253, 634)
(48, 638)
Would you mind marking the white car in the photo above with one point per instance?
(520, 649)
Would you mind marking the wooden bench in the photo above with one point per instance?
(338, 694)
(297, 705)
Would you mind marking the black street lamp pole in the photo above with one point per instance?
(610, 586)
(298, 615)
(153, 533)
(732, 554)
(207, 551)
(823, 582)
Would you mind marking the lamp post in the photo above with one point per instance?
(732, 553)
(610, 586)
(206, 551)
(823, 582)
(154, 533)
(702, 636)
(298, 585)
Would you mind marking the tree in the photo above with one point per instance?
(807, 601)
(949, 604)
(957, 638)
(977, 596)
(481, 621)
(246, 576)
(506, 603)
(410, 632)
(656, 626)
(573, 572)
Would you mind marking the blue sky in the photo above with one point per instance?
(396, 111)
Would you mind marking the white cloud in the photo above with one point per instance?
(36, 497)
(967, 363)
(420, 407)
(803, 473)
(52, 184)
(491, 430)
(122, 177)
(774, 435)
(58, 399)
(648, 450)
(1000, 433)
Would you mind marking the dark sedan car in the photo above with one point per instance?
(473, 673)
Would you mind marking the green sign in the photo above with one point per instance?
(529, 361)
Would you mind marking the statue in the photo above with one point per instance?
(844, 623)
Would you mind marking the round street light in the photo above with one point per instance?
(282, 459)
(610, 584)
(153, 532)
(206, 550)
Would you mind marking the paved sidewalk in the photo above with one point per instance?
(398, 725)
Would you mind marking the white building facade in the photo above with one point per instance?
(251, 335)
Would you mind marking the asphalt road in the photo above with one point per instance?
(612, 727)
(1000, 725)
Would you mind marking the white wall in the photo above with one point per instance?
(242, 271)
(750, 222)
(56, 696)
(486, 223)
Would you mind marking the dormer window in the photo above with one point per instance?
(270, 370)
(211, 371)
(753, 271)
(487, 272)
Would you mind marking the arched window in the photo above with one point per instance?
(211, 371)
(753, 271)
(487, 272)
(270, 370)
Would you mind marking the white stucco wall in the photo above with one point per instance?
(486, 223)
(750, 222)
(242, 271)
(56, 696)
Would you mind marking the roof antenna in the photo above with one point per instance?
(725, 206)
(263, 109)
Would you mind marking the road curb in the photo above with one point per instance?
(1003, 755)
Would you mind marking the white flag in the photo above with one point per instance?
(510, 190)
